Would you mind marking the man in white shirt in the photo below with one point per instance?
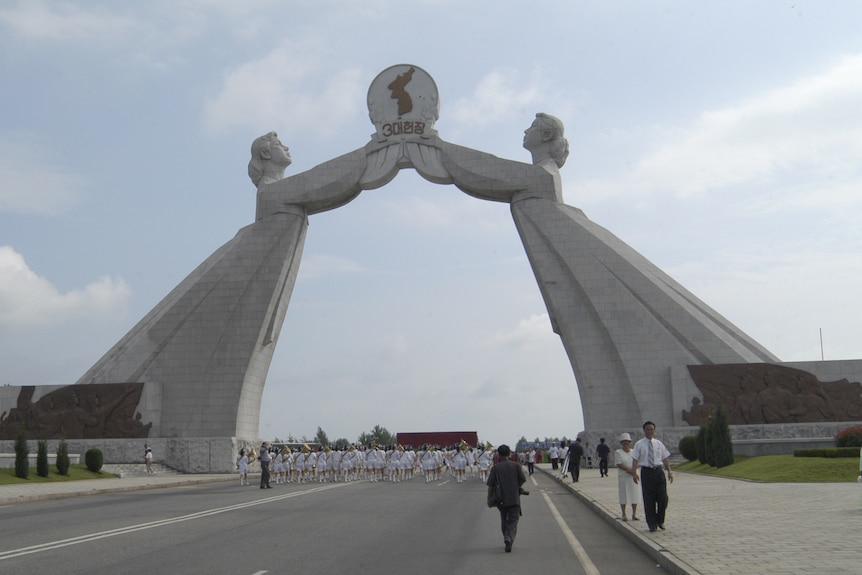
(651, 455)
(555, 456)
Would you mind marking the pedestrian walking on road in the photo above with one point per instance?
(509, 476)
(148, 460)
(576, 452)
(602, 452)
(651, 456)
(242, 466)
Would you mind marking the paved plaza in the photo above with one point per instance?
(715, 526)
(718, 526)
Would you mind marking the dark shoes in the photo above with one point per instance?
(661, 526)
(508, 546)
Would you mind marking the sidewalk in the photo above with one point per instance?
(12, 494)
(718, 526)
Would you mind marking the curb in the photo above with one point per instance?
(26, 498)
(662, 556)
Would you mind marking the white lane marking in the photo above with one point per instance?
(12, 553)
(580, 552)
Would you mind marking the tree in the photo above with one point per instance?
(379, 435)
(341, 443)
(722, 446)
(321, 438)
(22, 454)
(42, 458)
(63, 458)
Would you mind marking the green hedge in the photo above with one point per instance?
(828, 452)
(688, 447)
(93, 460)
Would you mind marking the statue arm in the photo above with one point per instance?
(488, 177)
(324, 187)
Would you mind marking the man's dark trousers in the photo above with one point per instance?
(264, 474)
(509, 517)
(654, 490)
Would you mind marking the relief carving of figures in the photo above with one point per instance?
(760, 393)
(109, 411)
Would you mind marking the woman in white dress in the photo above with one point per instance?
(349, 463)
(278, 468)
(459, 463)
(323, 458)
(629, 492)
(299, 467)
(242, 465)
(486, 460)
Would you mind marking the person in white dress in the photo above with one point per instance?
(335, 464)
(459, 463)
(471, 462)
(278, 468)
(242, 465)
(628, 489)
(323, 457)
(486, 460)
(348, 463)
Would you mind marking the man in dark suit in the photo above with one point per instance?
(509, 475)
(576, 452)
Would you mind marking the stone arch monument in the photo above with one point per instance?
(630, 331)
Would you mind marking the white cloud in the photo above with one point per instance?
(32, 181)
(282, 89)
(533, 332)
(318, 266)
(30, 301)
(808, 130)
(63, 21)
(497, 97)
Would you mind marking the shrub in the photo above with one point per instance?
(42, 458)
(22, 455)
(93, 459)
(830, 452)
(63, 458)
(721, 442)
(688, 447)
(850, 437)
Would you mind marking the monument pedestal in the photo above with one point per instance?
(185, 454)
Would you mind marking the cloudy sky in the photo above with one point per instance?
(722, 140)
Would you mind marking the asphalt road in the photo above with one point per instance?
(385, 528)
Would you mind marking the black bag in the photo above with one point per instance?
(496, 498)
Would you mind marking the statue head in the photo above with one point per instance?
(269, 158)
(544, 139)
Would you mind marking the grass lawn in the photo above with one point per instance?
(76, 472)
(783, 469)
